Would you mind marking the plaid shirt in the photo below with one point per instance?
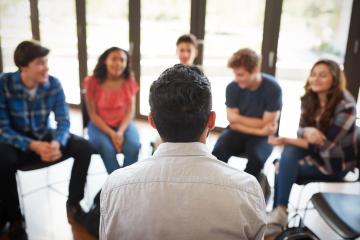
(21, 115)
(339, 152)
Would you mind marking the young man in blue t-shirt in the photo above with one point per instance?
(253, 104)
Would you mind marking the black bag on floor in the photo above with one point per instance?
(92, 218)
(296, 233)
(3, 217)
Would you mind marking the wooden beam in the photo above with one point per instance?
(197, 26)
(82, 51)
(134, 38)
(34, 16)
(271, 35)
(352, 56)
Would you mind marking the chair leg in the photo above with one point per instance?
(87, 196)
(299, 198)
(20, 193)
(47, 185)
(50, 185)
(306, 209)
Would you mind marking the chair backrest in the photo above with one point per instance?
(340, 211)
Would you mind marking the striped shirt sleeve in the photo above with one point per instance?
(7, 133)
(61, 112)
(344, 120)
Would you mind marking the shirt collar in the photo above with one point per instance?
(183, 149)
(19, 86)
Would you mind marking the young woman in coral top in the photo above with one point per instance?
(109, 97)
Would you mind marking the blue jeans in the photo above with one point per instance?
(255, 148)
(104, 146)
(291, 170)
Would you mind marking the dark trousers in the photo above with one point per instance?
(255, 148)
(13, 159)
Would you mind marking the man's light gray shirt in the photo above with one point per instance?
(182, 192)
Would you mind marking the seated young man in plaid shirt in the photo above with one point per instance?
(27, 97)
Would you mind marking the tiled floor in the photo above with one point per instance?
(45, 209)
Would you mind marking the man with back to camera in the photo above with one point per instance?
(253, 104)
(27, 97)
(186, 51)
(182, 191)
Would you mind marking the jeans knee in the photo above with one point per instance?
(289, 152)
(132, 147)
(106, 147)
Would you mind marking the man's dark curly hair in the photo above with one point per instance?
(180, 103)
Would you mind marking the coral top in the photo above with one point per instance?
(112, 105)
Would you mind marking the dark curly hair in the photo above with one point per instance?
(180, 103)
(310, 103)
(100, 71)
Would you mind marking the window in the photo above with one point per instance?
(230, 25)
(15, 27)
(58, 32)
(163, 21)
(107, 26)
(309, 30)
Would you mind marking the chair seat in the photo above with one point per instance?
(37, 165)
(340, 211)
(305, 181)
(350, 177)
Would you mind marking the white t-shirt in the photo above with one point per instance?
(31, 92)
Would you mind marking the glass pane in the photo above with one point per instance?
(62, 41)
(15, 27)
(107, 26)
(230, 25)
(309, 30)
(163, 21)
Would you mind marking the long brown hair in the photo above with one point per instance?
(310, 102)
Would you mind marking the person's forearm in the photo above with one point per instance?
(62, 118)
(251, 121)
(14, 138)
(125, 123)
(100, 124)
(246, 121)
(248, 130)
(62, 133)
(299, 142)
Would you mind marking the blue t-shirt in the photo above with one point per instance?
(253, 103)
